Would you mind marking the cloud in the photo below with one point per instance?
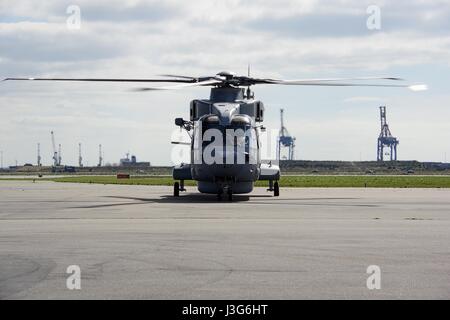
(208, 35)
(363, 99)
(289, 39)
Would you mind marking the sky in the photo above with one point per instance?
(280, 39)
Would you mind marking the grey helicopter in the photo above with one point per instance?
(225, 129)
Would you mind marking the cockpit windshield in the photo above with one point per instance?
(234, 142)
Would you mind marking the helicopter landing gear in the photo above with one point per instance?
(182, 188)
(176, 189)
(220, 194)
(275, 187)
(230, 194)
(228, 190)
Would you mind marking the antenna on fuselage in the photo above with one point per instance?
(249, 94)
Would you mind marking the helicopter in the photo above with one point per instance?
(225, 129)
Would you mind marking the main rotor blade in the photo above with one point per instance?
(101, 80)
(177, 76)
(419, 87)
(193, 79)
(302, 81)
(187, 81)
(182, 86)
(337, 83)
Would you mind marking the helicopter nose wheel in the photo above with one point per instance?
(221, 192)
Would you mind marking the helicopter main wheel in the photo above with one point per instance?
(219, 194)
(230, 194)
(176, 189)
(276, 189)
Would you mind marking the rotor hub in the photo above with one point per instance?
(228, 75)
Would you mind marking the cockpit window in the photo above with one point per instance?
(240, 120)
(236, 141)
(211, 120)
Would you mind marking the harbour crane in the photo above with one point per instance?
(55, 153)
(59, 155)
(285, 140)
(100, 157)
(80, 158)
(386, 139)
(39, 155)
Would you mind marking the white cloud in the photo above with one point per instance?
(363, 99)
(144, 38)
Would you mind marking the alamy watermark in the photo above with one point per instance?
(225, 146)
(73, 21)
(374, 20)
(374, 280)
(73, 281)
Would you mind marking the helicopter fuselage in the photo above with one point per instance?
(225, 145)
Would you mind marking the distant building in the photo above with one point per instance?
(127, 162)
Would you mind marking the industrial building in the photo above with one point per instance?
(127, 162)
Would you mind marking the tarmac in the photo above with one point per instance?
(138, 242)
